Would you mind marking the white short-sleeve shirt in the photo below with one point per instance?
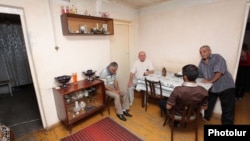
(107, 77)
(140, 67)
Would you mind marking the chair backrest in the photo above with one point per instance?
(153, 88)
(191, 113)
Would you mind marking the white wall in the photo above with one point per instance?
(75, 54)
(173, 33)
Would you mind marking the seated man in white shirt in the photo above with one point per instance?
(142, 67)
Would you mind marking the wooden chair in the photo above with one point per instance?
(153, 90)
(6, 82)
(4, 76)
(191, 114)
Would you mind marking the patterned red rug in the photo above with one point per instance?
(103, 130)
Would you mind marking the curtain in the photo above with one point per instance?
(13, 51)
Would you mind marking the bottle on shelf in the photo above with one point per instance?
(86, 13)
(64, 9)
(77, 108)
(73, 9)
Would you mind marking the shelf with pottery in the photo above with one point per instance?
(78, 101)
(80, 25)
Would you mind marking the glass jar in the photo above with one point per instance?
(64, 9)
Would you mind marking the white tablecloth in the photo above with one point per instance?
(168, 82)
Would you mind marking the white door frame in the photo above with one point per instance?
(247, 10)
(19, 11)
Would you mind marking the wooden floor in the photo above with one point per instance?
(147, 125)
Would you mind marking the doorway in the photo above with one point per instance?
(20, 111)
(119, 52)
(242, 76)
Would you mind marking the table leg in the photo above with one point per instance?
(142, 98)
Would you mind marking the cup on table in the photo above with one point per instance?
(74, 76)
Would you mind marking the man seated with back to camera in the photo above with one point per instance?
(189, 92)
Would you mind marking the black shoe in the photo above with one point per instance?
(127, 114)
(121, 117)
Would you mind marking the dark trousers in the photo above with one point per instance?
(227, 105)
(162, 104)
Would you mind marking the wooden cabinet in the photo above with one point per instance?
(74, 24)
(88, 95)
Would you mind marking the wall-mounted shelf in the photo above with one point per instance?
(78, 25)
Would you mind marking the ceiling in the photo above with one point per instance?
(137, 4)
